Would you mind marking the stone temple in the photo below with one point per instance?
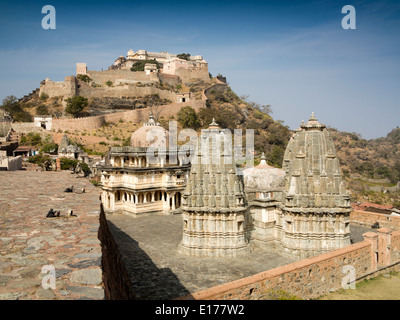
(214, 207)
(301, 210)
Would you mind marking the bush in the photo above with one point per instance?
(184, 56)
(44, 96)
(39, 159)
(31, 139)
(49, 147)
(68, 164)
(139, 66)
(14, 108)
(75, 105)
(109, 83)
(84, 78)
(42, 110)
(188, 118)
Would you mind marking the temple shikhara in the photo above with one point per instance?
(302, 209)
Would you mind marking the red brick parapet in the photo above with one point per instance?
(369, 218)
(372, 237)
(307, 278)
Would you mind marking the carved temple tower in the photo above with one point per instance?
(316, 209)
(214, 203)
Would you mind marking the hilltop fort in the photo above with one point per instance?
(138, 74)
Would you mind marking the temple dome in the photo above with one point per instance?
(151, 134)
(263, 177)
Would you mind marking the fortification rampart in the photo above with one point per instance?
(136, 116)
(101, 77)
(310, 278)
(25, 127)
(120, 91)
(196, 73)
(170, 79)
(66, 88)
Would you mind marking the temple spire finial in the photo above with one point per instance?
(263, 159)
(213, 124)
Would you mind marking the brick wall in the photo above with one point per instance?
(395, 246)
(310, 278)
(307, 278)
(369, 218)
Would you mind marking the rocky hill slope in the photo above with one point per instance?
(370, 167)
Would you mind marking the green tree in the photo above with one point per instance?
(49, 147)
(75, 105)
(11, 105)
(31, 139)
(109, 83)
(84, 78)
(188, 118)
(139, 65)
(184, 56)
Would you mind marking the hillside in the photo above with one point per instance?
(371, 167)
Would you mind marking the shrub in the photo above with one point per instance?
(184, 56)
(139, 66)
(31, 139)
(188, 118)
(75, 105)
(44, 96)
(42, 110)
(84, 78)
(49, 147)
(68, 164)
(40, 159)
(14, 108)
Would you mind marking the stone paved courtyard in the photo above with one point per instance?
(29, 240)
(149, 244)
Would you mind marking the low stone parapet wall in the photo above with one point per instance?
(370, 218)
(116, 282)
(307, 278)
(310, 278)
(11, 163)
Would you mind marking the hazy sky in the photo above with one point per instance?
(293, 55)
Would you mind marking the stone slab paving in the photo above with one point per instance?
(149, 244)
(29, 241)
